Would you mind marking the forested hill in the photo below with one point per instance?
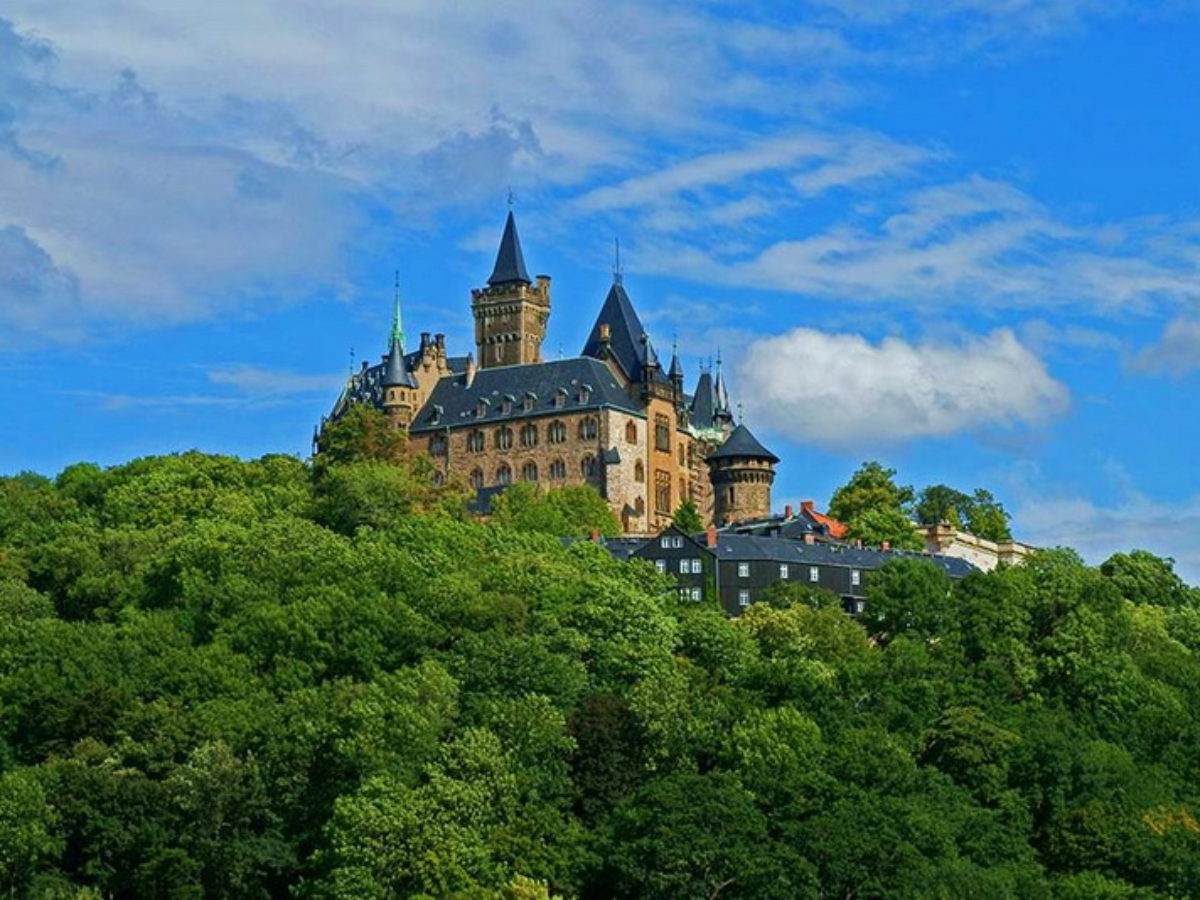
(253, 679)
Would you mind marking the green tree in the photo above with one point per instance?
(561, 512)
(362, 434)
(687, 518)
(29, 834)
(874, 508)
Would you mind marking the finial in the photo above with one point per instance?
(739, 413)
(674, 343)
(718, 358)
(510, 197)
(560, 350)
(352, 359)
(618, 275)
(397, 323)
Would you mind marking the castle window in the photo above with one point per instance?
(639, 472)
(436, 416)
(477, 478)
(557, 432)
(683, 491)
(528, 403)
(640, 505)
(506, 405)
(630, 433)
(504, 474)
(585, 393)
(481, 408)
(529, 472)
(662, 493)
(558, 470)
(529, 435)
(729, 495)
(587, 466)
(681, 454)
(437, 445)
(504, 439)
(560, 398)
(475, 442)
(439, 479)
(588, 429)
(662, 433)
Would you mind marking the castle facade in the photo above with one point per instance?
(612, 417)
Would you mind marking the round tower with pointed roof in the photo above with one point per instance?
(741, 471)
(510, 311)
(399, 387)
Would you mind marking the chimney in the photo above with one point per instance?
(424, 340)
(594, 537)
(808, 538)
(439, 341)
(787, 511)
(858, 543)
(710, 536)
(806, 506)
(470, 369)
(887, 545)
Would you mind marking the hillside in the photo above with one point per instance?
(251, 679)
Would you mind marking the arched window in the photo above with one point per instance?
(681, 454)
(529, 435)
(475, 442)
(527, 403)
(529, 471)
(630, 433)
(585, 393)
(504, 438)
(683, 491)
(477, 478)
(588, 429)
(639, 472)
(506, 405)
(437, 444)
(558, 470)
(481, 408)
(560, 398)
(640, 505)
(729, 495)
(504, 474)
(557, 432)
(439, 479)
(587, 466)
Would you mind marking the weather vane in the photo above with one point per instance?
(618, 275)
(510, 197)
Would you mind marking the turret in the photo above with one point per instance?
(741, 471)
(399, 385)
(511, 311)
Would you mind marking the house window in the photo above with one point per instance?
(504, 439)
(662, 493)
(783, 571)
(558, 470)
(504, 474)
(588, 429)
(697, 594)
(690, 567)
(662, 433)
(587, 466)
(857, 607)
(743, 570)
(529, 435)
(557, 432)
(437, 444)
(661, 565)
(630, 433)
(529, 471)
(743, 598)
(475, 442)
(477, 478)
(814, 574)
(639, 472)
(854, 577)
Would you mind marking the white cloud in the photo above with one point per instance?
(843, 391)
(1176, 353)
(259, 383)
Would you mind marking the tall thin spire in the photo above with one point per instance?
(397, 337)
(618, 274)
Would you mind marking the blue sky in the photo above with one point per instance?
(961, 238)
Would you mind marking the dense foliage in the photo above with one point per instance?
(246, 679)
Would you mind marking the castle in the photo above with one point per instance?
(611, 417)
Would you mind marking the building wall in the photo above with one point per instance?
(741, 489)
(980, 552)
(510, 322)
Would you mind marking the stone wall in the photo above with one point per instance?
(983, 554)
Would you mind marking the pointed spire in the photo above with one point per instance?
(719, 389)
(618, 273)
(510, 262)
(676, 371)
(397, 337)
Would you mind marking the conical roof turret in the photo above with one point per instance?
(510, 261)
(742, 444)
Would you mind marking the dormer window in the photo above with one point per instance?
(529, 402)
(560, 398)
(435, 417)
(585, 393)
(481, 408)
(506, 405)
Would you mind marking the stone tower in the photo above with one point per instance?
(512, 311)
(742, 471)
(400, 392)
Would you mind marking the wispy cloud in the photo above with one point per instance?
(842, 391)
(1176, 353)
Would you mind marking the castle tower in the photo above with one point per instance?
(741, 471)
(511, 312)
(399, 388)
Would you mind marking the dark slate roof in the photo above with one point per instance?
(741, 444)
(628, 341)
(366, 386)
(676, 367)
(540, 381)
(395, 370)
(623, 548)
(794, 528)
(744, 547)
(704, 401)
(510, 262)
